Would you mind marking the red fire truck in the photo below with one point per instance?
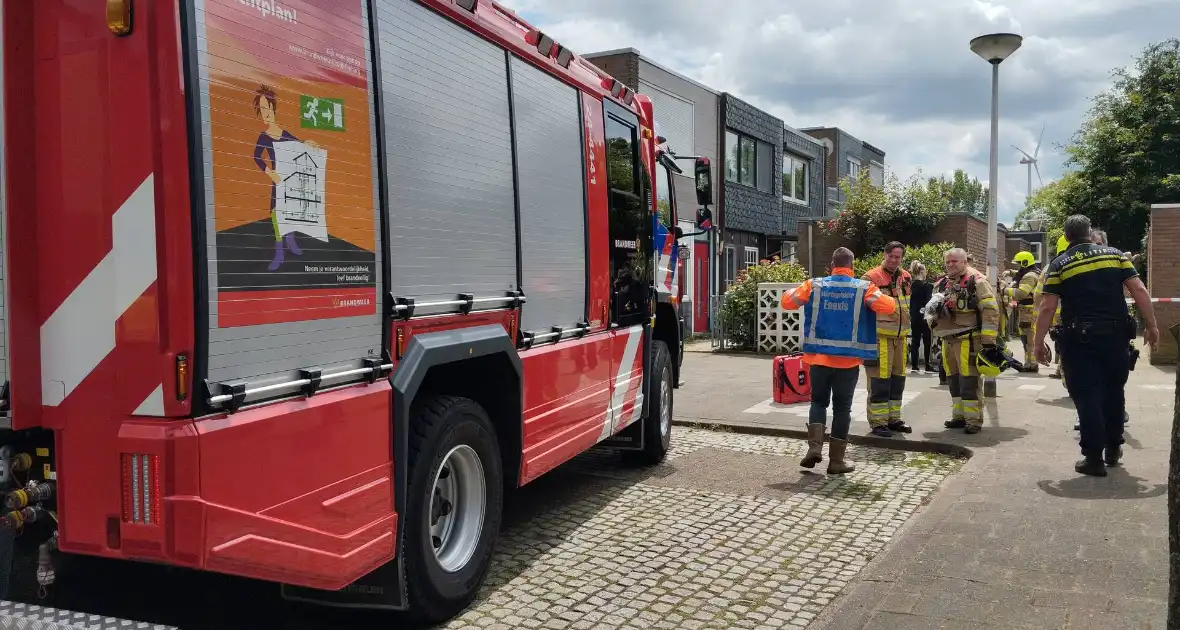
(294, 290)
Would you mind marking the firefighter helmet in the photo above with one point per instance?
(1024, 259)
(990, 362)
(1062, 244)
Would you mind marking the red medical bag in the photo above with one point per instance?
(792, 379)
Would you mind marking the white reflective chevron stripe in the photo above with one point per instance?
(81, 332)
(153, 405)
(622, 381)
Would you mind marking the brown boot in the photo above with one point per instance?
(815, 446)
(836, 463)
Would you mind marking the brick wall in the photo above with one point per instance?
(746, 208)
(1163, 275)
(962, 229)
(623, 66)
(970, 233)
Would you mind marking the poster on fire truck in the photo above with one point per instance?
(292, 174)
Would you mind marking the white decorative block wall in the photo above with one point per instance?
(779, 331)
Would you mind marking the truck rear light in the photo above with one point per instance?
(141, 489)
(119, 17)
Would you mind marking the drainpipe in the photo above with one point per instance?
(810, 247)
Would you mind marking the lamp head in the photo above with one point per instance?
(996, 47)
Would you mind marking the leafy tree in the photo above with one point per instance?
(1126, 155)
(961, 193)
(930, 255)
(1051, 202)
(873, 215)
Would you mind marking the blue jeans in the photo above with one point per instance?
(834, 386)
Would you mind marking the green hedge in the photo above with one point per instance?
(930, 255)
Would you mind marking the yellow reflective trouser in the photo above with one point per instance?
(887, 380)
(958, 361)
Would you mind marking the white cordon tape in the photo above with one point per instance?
(1156, 300)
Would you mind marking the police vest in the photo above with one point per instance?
(837, 320)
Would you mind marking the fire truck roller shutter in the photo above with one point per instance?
(452, 223)
(275, 346)
(551, 187)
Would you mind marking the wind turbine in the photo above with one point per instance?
(1031, 162)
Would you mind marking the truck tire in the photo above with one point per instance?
(453, 507)
(657, 427)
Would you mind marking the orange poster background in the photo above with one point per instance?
(247, 50)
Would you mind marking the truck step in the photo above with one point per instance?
(29, 617)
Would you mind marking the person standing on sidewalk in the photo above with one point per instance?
(967, 324)
(1062, 245)
(839, 333)
(887, 371)
(921, 291)
(1088, 281)
(1021, 292)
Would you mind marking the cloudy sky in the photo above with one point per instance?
(895, 73)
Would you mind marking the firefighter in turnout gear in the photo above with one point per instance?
(1024, 284)
(1062, 245)
(887, 372)
(967, 323)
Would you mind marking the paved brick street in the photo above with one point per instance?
(727, 534)
(1016, 539)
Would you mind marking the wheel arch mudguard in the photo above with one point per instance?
(385, 588)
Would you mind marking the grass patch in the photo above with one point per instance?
(933, 461)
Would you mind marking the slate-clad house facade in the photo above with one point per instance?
(751, 183)
(804, 182)
(847, 156)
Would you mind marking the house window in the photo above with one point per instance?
(1038, 252)
(853, 168)
(765, 161)
(749, 162)
(731, 156)
(877, 174)
(795, 182)
(751, 256)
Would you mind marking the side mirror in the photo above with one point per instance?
(704, 219)
(704, 180)
(683, 254)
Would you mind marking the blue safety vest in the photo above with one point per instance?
(837, 320)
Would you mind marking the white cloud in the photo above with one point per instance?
(895, 73)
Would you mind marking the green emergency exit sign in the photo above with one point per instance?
(325, 114)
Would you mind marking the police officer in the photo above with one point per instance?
(968, 325)
(1088, 281)
(1024, 283)
(887, 373)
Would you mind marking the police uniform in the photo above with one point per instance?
(887, 370)
(1024, 285)
(969, 322)
(1095, 328)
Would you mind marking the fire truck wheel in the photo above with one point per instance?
(454, 506)
(657, 427)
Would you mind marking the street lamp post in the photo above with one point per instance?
(994, 49)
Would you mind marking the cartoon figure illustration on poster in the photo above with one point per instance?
(296, 167)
